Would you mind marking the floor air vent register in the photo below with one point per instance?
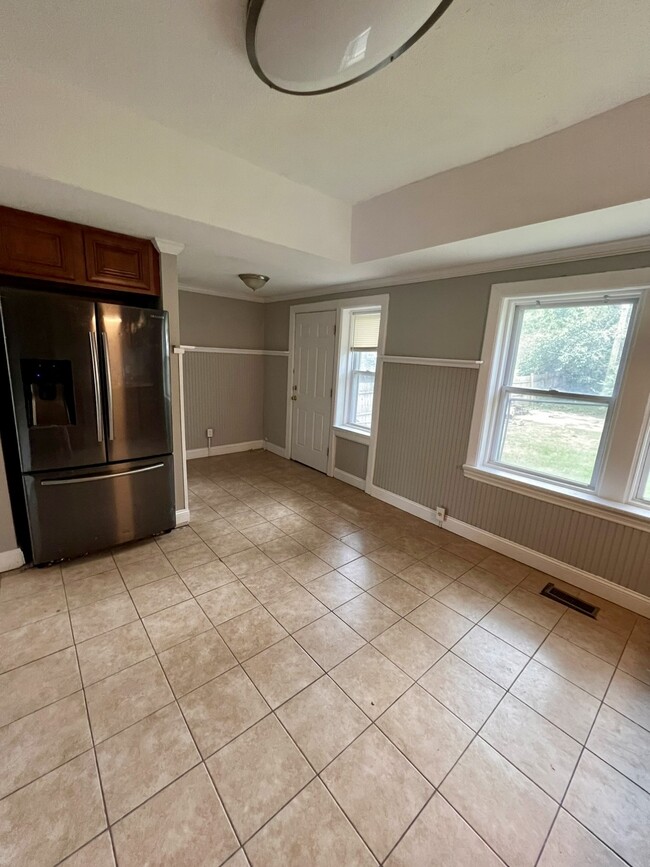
(570, 601)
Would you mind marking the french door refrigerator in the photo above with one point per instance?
(90, 388)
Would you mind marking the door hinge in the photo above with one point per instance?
(328, 452)
(335, 329)
(331, 392)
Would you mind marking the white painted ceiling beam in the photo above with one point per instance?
(65, 133)
(65, 153)
(602, 162)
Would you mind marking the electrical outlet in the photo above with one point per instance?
(441, 513)
(209, 433)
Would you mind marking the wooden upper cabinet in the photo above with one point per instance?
(32, 245)
(36, 246)
(121, 261)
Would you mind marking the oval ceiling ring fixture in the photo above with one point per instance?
(309, 47)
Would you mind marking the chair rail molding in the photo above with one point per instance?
(430, 362)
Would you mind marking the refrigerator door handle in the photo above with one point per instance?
(94, 356)
(109, 386)
(80, 479)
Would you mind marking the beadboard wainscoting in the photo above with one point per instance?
(421, 447)
(225, 392)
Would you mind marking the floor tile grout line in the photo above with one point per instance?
(589, 831)
(44, 656)
(32, 622)
(490, 847)
(365, 639)
(49, 703)
(273, 710)
(579, 759)
(92, 739)
(200, 763)
(331, 611)
(92, 840)
(646, 728)
(475, 735)
(201, 759)
(50, 770)
(614, 768)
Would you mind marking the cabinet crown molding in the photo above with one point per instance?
(175, 248)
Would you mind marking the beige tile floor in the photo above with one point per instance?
(307, 676)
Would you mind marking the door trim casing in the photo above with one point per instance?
(338, 305)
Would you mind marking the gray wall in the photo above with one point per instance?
(351, 457)
(275, 399)
(426, 411)
(224, 392)
(170, 302)
(207, 320)
(424, 424)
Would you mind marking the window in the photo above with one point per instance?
(563, 389)
(358, 368)
(641, 490)
(559, 389)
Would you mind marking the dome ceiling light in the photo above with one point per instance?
(307, 47)
(254, 281)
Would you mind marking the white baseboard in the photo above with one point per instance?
(228, 449)
(404, 504)
(182, 517)
(13, 559)
(276, 450)
(636, 602)
(349, 479)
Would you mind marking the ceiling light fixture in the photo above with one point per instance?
(307, 47)
(254, 281)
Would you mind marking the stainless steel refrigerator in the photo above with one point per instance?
(89, 386)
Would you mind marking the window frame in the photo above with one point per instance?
(616, 480)
(512, 339)
(346, 371)
(641, 477)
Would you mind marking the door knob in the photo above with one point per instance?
(294, 397)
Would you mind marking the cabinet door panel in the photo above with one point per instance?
(119, 261)
(40, 246)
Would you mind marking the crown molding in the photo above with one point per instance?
(222, 293)
(175, 248)
(555, 257)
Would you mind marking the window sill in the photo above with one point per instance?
(353, 434)
(589, 504)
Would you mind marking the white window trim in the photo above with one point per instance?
(614, 497)
(344, 374)
(338, 305)
(356, 435)
(642, 463)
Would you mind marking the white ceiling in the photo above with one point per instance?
(213, 257)
(145, 117)
(491, 75)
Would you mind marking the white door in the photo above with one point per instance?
(314, 346)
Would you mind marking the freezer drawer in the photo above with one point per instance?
(75, 512)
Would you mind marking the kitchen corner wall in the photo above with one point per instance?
(222, 391)
(425, 417)
(170, 303)
(7, 533)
